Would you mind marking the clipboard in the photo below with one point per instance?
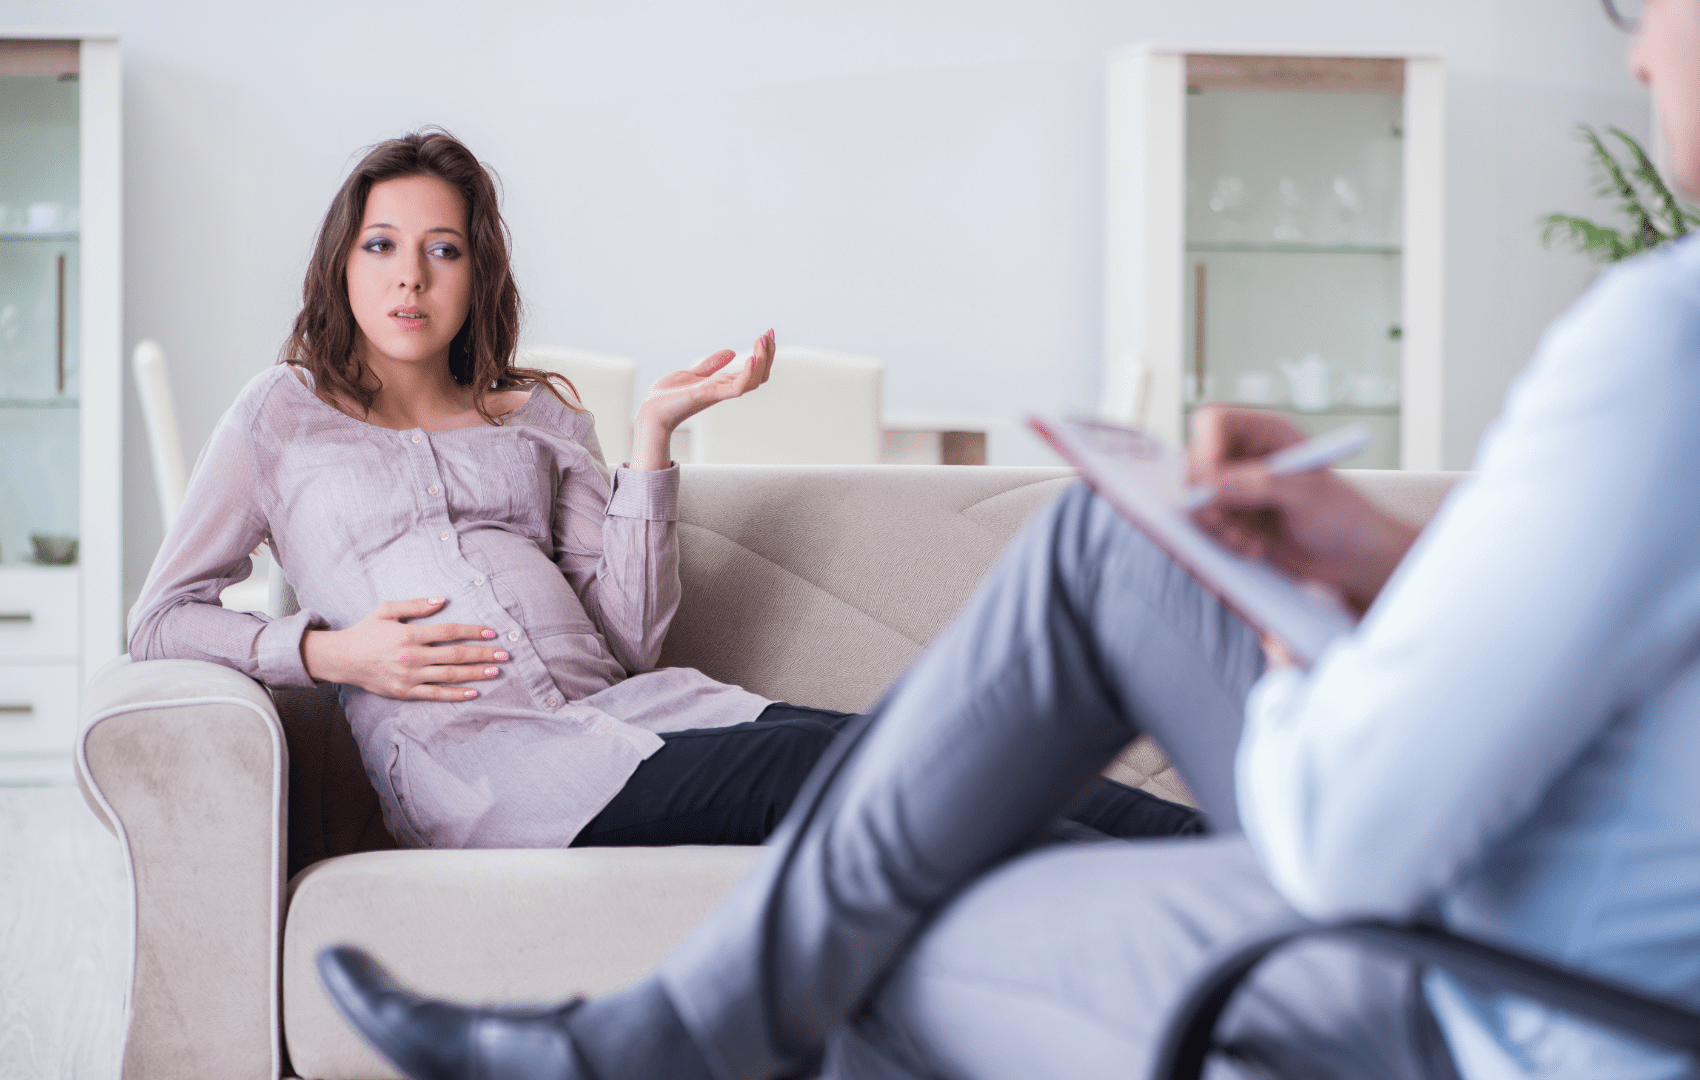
(1144, 480)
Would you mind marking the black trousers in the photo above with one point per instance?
(732, 785)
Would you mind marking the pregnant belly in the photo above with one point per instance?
(527, 584)
(551, 616)
(580, 664)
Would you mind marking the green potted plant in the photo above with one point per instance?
(1655, 215)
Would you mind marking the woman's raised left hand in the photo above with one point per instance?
(678, 397)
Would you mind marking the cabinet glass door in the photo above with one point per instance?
(1293, 241)
(39, 317)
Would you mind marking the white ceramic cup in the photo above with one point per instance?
(1308, 381)
(1255, 388)
(45, 217)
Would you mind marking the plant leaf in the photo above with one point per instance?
(1632, 187)
(1597, 242)
(1614, 182)
(1664, 200)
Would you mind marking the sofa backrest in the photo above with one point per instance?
(819, 584)
(816, 585)
(1413, 497)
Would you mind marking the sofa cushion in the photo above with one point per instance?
(498, 926)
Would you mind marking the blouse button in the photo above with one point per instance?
(445, 536)
(605, 727)
(478, 581)
(513, 635)
(432, 490)
(416, 439)
(551, 701)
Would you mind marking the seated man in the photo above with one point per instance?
(1510, 740)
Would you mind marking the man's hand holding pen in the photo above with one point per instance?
(1306, 521)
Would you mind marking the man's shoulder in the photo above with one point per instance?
(1642, 315)
(1623, 363)
(1663, 284)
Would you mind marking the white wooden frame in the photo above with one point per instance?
(100, 126)
(1144, 240)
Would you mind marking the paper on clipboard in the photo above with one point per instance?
(1144, 480)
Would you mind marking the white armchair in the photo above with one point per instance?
(171, 470)
(819, 407)
(606, 384)
(165, 445)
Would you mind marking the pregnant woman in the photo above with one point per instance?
(490, 600)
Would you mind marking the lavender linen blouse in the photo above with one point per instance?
(520, 527)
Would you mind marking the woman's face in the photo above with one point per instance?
(1667, 57)
(410, 271)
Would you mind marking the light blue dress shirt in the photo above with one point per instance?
(1514, 730)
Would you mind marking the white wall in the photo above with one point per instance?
(919, 180)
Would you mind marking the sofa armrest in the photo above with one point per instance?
(186, 762)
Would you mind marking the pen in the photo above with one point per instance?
(1308, 456)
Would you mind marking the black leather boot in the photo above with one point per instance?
(435, 1040)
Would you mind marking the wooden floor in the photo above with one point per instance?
(64, 938)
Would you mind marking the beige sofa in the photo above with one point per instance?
(252, 837)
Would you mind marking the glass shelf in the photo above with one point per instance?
(1273, 248)
(1383, 421)
(41, 189)
(39, 403)
(1294, 256)
(1332, 410)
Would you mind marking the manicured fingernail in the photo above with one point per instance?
(491, 670)
(488, 633)
(470, 693)
(501, 654)
(435, 600)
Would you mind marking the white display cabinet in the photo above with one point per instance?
(61, 502)
(1273, 238)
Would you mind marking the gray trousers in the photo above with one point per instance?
(909, 919)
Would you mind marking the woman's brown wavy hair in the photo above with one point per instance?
(325, 335)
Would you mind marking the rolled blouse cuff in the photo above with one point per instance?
(278, 649)
(652, 496)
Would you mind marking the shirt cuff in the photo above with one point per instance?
(639, 493)
(278, 649)
(1269, 709)
(1269, 781)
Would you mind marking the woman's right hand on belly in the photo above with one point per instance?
(383, 655)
